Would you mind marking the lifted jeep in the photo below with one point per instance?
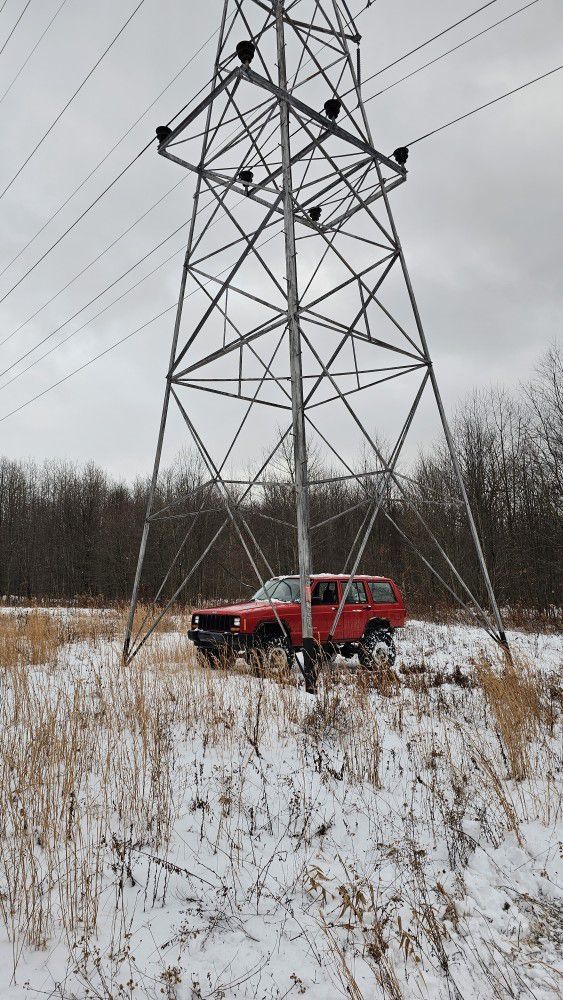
(374, 608)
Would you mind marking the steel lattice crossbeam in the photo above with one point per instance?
(301, 303)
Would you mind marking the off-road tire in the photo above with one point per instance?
(377, 648)
(275, 653)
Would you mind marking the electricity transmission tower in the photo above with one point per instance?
(295, 301)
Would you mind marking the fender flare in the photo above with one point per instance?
(269, 625)
(378, 623)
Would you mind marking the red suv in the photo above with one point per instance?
(374, 608)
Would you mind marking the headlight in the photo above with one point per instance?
(236, 622)
(195, 621)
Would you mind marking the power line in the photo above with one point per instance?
(112, 183)
(168, 309)
(96, 316)
(103, 160)
(488, 104)
(94, 260)
(80, 217)
(75, 223)
(34, 49)
(449, 51)
(122, 340)
(114, 147)
(349, 23)
(15, 25)
(423, 45)
(87, 363)
(102, 292)
(71, 99)
(94, 299)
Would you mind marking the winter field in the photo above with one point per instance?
(169, 831)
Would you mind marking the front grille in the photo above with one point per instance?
(216, 623)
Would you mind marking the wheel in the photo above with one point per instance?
(377, 648)
(276, 653)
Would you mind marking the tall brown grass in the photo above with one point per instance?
(513, 695)
(91, 771)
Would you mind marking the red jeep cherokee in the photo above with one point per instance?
(374, 608)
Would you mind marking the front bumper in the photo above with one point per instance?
(217, 641)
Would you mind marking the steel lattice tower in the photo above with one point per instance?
(283, 156)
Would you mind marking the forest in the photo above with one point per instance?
(70, 533)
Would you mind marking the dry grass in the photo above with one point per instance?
(513, 695)
(31, 637)
(99, 763)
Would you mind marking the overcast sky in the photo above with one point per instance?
(480, 217)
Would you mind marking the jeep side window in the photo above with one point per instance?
(382, 593)
(325, 592)
(356, 594)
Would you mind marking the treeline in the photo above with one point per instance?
(69, 533)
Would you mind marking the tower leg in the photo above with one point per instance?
(146, 527)
(298, 412)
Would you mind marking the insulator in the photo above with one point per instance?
(332, 108)
(245, 52)
(315, 213)
(162, 133)
(246, 176)
(401, 155)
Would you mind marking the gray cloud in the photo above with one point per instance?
(480, 215)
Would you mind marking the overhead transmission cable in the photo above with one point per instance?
(92, 319)
(143, 326)
(122, 340)
(112, 183)
(33, 50)
(86, 364)
(423, 45)
(24, 356)
(448, 52)
(15, 25)
(63, 205)
(95, 298)
(203, 208)
(88, 208)
(72, 98)
(156, 317)
(94, 260)
(488, 104)
(98, 257)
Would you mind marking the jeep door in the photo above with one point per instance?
(324, 605)
(354, 613)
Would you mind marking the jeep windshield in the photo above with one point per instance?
(284, 589)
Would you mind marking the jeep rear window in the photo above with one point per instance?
(382, 593)
(286, 589)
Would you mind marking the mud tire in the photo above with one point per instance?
(377, 648)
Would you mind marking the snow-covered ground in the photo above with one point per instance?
(171, 831)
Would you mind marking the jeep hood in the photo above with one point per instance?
(235, 609)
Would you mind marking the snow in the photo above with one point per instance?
(368, 843)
